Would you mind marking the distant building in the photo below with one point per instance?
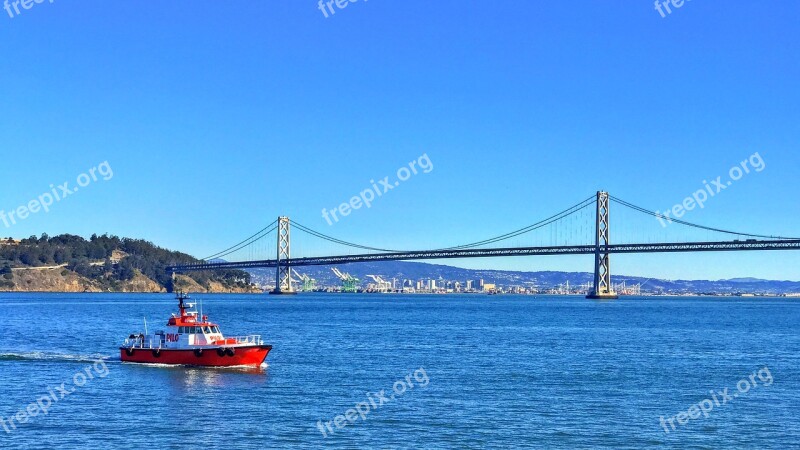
(489, 287)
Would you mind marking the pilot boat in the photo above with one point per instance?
(190, 339)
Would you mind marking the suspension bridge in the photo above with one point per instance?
(582, 229)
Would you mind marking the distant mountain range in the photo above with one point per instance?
(543, 280)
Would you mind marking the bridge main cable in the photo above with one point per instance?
(683, 222)
(338, 241)
(555, 217)
(244, 243)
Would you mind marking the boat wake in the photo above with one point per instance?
(49, 356)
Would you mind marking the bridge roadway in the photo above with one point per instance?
(718, 246)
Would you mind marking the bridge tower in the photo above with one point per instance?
(602, 273)
(283, 271)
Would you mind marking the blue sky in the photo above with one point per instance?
(216, 118)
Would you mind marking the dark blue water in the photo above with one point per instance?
(475, 371)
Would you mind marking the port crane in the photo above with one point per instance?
(308, 283)
(349, 282)
(381, 285)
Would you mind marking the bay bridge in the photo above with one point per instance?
(581, 229)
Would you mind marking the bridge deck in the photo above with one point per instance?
(749, 245)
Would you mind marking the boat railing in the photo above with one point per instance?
(156, 342)
(146, 342)
(253, 339)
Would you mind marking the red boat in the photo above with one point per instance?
(192, 340)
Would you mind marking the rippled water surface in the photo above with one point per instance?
(496, 372)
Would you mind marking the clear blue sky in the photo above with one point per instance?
(217, 117)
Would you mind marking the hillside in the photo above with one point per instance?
(69, 263)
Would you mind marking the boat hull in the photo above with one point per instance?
(253, 355)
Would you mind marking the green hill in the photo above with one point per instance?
(105, 263)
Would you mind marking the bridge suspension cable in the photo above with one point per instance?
(259, 235)
(683, 222)
(335, 240)
(554, 218)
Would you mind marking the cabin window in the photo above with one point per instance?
(207, 330)
(215, 330)
(181, 330)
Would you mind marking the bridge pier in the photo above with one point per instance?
(602, 272)
(283, 272)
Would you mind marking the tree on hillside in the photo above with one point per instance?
(29, 255)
